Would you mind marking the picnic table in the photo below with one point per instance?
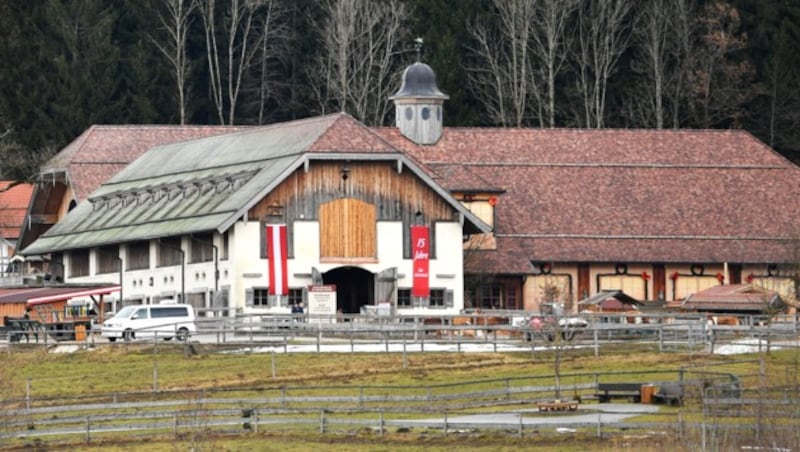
(559, 405)
(22, 327)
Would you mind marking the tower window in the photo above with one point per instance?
(426, 113)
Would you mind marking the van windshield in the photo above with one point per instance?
(125, 312)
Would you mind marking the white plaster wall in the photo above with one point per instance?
(245, 268)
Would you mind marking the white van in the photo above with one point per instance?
(159, 320)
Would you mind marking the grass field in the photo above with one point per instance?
(104, 370)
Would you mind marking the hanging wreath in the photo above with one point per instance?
(674, 276)
(546, 268)
(750, 278)
(721, 278)
(645, 276)
(621, 269)
(697, 270)
(772, 269)
(493, 201)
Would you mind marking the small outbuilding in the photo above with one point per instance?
(741, 299)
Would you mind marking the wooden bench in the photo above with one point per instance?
(570, 405)
(670, 393)
(607, 391)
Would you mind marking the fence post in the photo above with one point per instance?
(28, 394)
(596, 343)
(322, 421)
(255, 424)
(660, 338)
(274, 372)
(445, 423)
(380, 423)
(155, 376)
(508, 390)
(405, 357)
(599, 426)
(519, 432)
(175, 424)
(88, 429)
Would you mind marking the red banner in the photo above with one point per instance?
(276, 253)
(420, 249)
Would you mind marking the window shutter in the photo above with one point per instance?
(262, 234)
(248, 297)
(448, 298)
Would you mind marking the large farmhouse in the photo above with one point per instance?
(425, 218)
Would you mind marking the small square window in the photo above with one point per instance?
(437, 298)
(403, 298)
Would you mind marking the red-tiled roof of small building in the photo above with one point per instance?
(14, 200)
(732, 297)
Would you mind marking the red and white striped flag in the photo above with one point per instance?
(276, 253)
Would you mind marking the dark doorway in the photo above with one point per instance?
(355, 287)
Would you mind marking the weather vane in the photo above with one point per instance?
(418, 48)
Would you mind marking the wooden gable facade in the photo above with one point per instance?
(348, 199)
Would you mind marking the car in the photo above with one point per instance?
(162, 320)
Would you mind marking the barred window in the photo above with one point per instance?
(169, 251)
(108, 259)
(79, 263)
(202, 248)
(138, 256)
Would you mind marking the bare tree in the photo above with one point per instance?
(550, 43)
(683, 30)
(360, 42)
(176, 21)
(231, 51)
(653, 37)
(273, 46)
(603, 36)
(504, 79)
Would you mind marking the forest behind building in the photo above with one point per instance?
(69, 64)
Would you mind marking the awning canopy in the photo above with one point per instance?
(68, 293)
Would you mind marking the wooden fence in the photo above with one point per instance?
(451, 409)
(662, 333)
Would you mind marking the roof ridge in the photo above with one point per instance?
(587, 130)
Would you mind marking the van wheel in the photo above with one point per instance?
(127, 335)
(112, 339)
(183, 334)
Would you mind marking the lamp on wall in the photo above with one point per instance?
(345, 172)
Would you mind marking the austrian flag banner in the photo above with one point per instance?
(276, 253)
(420, 248)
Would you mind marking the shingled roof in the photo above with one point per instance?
(583, 195)
(103, 150)
(206, 184)
(14, 199)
